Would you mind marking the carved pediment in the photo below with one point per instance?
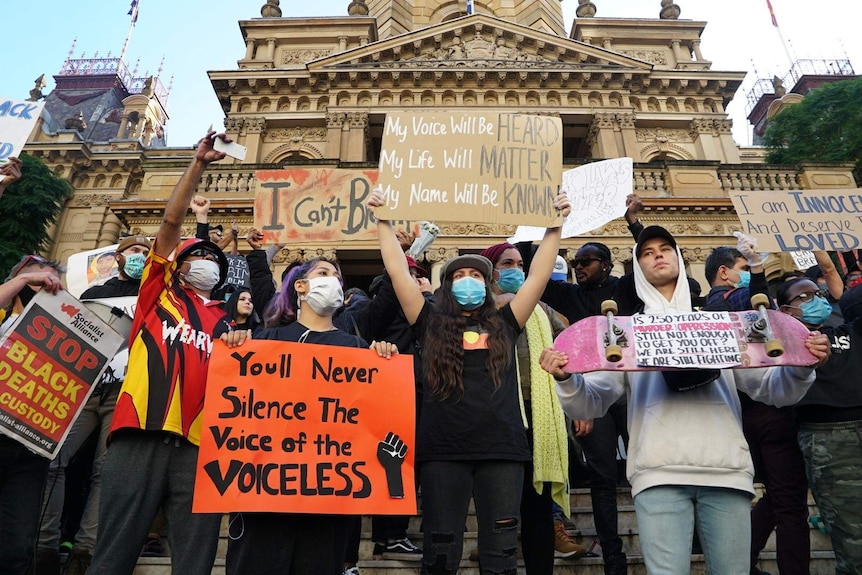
(479, 42)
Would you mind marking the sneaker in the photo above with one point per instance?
(354, 570)
(79, 561)
(563, 545)
(153, 548)
(571, 529)
(65, 549)
(402, 550)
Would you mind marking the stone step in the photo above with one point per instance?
(822, 563)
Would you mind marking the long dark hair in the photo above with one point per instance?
(443, 348)
(282, 308)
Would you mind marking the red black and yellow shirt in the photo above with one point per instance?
(172, 339)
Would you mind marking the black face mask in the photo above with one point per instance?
(26, 294)
(688, 379)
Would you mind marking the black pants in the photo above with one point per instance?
(22, 482)
(600, 450)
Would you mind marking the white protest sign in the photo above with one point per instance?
(688, 340)
(90, 268)
(17, 118)
(597, 192)
(803, 259)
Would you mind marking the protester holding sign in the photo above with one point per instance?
(687, 452)
(22, 472)
(471, 437)
(299, 543)
(546, 474)
(98, 412)
(157, 421)
(830, 417)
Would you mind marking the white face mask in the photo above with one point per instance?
(203, 274)
(324, 295)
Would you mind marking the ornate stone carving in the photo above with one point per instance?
(701, 126)
(90, 200)
(626, 121)
(295, 134)
(586, 9)
(328, 253)
(472, 229)
(480, 52)
(695, 254)
(663, 135)
(723, 126)
(302, 56)
(669, 10)
(255, 125)
(36, 93)
(76, 122)
(270, 9)
(335, 119)
(233, 124)
(440, 254)
(357, 119)
(656, 57)
(357, 8)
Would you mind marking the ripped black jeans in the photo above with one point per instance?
(446, 490)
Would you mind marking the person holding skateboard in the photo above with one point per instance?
(687, 454)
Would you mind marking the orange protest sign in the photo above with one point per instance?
(314, 205)
(304, 428)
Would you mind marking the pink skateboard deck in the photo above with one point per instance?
(584, 343)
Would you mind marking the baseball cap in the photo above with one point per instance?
(411, 263)
(189, 245)
(130, 241)
(561, 269)
(650, 233)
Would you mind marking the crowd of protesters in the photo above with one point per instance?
(500, 416)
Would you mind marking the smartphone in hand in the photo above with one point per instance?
(232, 149)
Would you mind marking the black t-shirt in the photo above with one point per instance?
(295, 331)
(485, 423)
(112, 288)
(836, 394)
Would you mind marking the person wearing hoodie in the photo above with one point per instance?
(688, 461)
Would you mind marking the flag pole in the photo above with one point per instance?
(780, 35)
(133, 12)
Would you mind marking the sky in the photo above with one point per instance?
(194, 36)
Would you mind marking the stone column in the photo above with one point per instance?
(270, 50)
(702, 131)
(695, 47)
(334, 126)
(725, 141)
(600, 136)
(357, 123)
(626, 124)
(255, 128)
(249, 49)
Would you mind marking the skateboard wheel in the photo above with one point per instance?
(773, 348)
(759, 299)
(609, 305)
(613, 353)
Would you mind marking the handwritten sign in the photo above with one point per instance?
(17, 118)
(304, 428)
(702, 339)
(314, 205)
(237, 271)
(472, 167)
(793, 220)
(803, 260)
(597, 192)
(50, 359)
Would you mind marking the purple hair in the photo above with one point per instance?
(283, 307)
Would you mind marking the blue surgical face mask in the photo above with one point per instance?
(744, 279)
(511, 280)
(469, 292)
(816, 311)
(134, 267)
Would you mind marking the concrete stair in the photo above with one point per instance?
(822, 558)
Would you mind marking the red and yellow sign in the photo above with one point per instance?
(303, 428)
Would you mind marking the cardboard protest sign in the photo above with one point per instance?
(237, 271)
(314, 205)
(90, 268)
(793, 220)
(492, 167)
(597, 192)
(50, 359)
(17, 118)
(701, 339)
(304, 428)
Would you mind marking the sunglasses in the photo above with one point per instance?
(584, 261)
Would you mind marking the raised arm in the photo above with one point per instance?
(541, 267)
(833, 279)
(409, 294)
(170, 229)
